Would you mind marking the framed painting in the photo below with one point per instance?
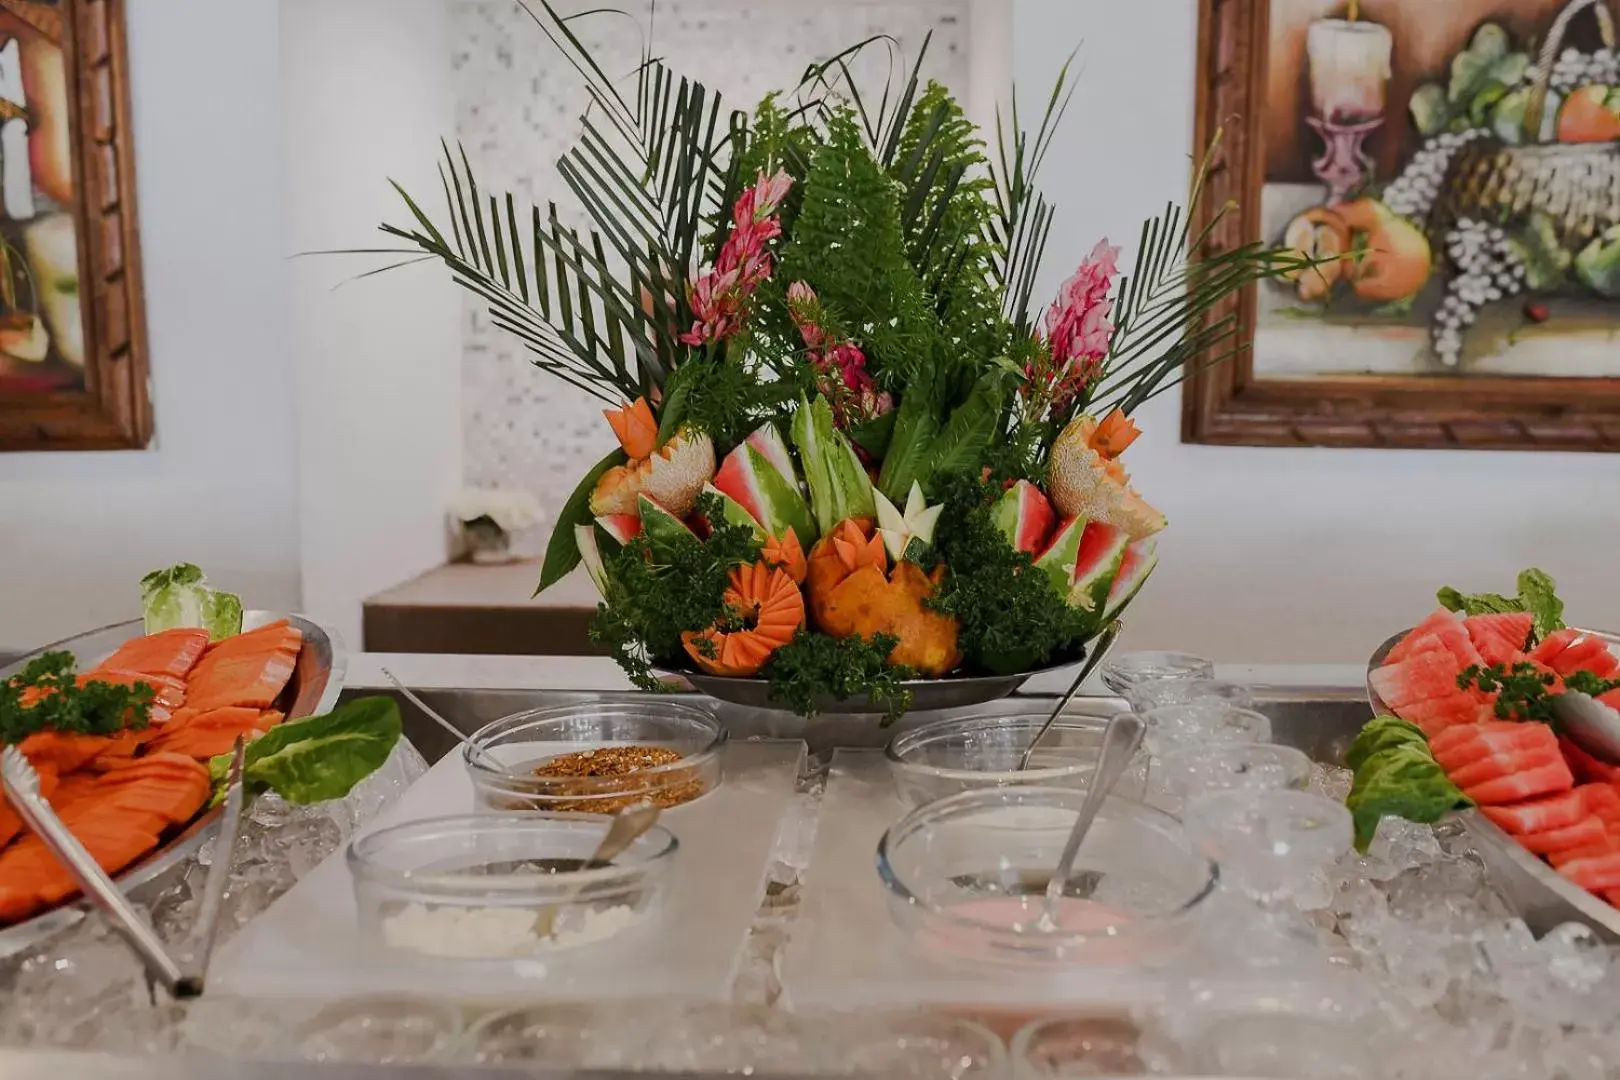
(73, 362)
(1454, 171)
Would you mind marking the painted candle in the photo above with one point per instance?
(1350, 69)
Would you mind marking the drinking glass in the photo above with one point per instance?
(1193, 725)
(1190, 771)
(1127, 670)
(1268, 845)
(1147, 696)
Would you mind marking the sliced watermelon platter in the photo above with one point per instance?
(1498, 738)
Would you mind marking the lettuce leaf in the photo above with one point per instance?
(320, 758)
(1382, 733)
(1537, 595)
(180, 596)
(1397, 776)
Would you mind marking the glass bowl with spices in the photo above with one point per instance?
(595, 757)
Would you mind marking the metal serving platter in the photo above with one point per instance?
(1543, 897)
(927, 695)
(316, 682)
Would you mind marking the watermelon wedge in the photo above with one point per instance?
(1442, 713)
(1485, 740)
(1496, 766)
(1539, 815)
(1423, 677)
(1583, 834)
(1601, 800)
(1523, 784)
(1594, 873)
(1607, 846)
(1025, 517)
(1587, 654)
(1588, 768)
(1512, 627)
(1057, 560)
(1096, 565)
(759, 476)
(1140, 560)
(1554, 644)
(1436, 626)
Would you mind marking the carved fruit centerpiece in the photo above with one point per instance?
(853, 450)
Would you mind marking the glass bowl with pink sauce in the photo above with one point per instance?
(966, 878)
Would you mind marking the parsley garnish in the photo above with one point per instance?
(1525, 692)
(56, 702)
(1011, 620)
(813, 668)
(651, 602)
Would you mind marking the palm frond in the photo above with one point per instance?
(1023, 220)
(1165, 319)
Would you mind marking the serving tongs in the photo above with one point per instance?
(182, 978)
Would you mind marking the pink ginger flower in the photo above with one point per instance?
(805, 310)
(1078, 332)
(719, 297)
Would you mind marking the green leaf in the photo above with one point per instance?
(873, 435)
(1400, 781)
(1477, 603)
(562, 552)
(1598, 264)
(962, 444)
(320, 758)
(1430, 110)
(1471, 68)
(916, 425)
(1382, 733)
(1546, 263)
(1538, 592)
(839, 485)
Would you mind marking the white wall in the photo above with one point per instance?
(1283, 555)
(367, 94)
(78, 530)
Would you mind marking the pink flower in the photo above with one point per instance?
(1078, 333)
(805, 309)
(1077, 325)
(719, 297)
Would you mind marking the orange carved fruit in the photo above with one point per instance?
(853, 593)
(765, 609)
(635, 428)
(786, 554)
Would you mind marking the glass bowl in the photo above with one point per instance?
(948, 757)
(503, 886)
(519, 744)
(1127, 670)
(1086, 1045)
(966, 876)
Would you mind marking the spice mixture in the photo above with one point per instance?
(596, 769)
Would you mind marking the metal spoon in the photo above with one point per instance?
(624, 829)
(1120, 740)
(460, 736)
(1104, 643)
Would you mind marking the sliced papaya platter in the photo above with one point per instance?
(1520, 714)
(141, 798)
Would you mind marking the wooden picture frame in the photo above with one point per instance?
(108, 406)
(1229, 405)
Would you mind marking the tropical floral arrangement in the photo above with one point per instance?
(853, 450)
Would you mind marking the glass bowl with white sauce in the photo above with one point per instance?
(596, 757)
(504, 886)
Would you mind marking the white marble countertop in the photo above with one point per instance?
(426, 671)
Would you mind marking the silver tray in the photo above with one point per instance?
(1543, 897)
(316, 682)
